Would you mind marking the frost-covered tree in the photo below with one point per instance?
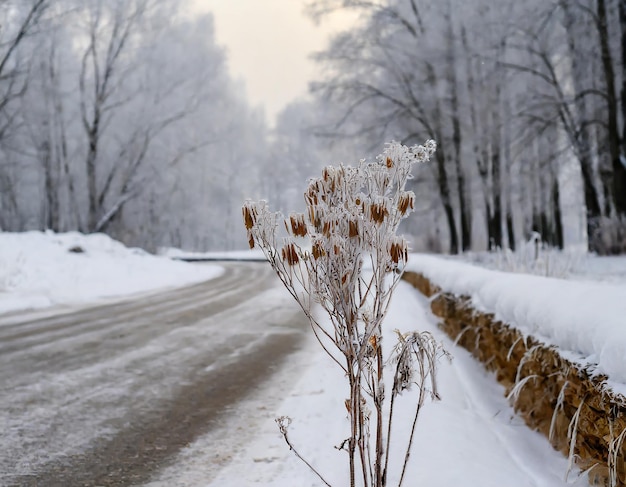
(388, 75)
(517, 92)
(20, 20)
(303, 141)
(129, 123)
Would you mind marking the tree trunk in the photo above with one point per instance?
(579, 135)
(508, 169)
(92, 188)
(619, 171)
(464, 206)
(557, 227)
(496, 176)
(51, 181)
(443, 184)
(446, 200)
(479, 146)
(509, 228)
(622, 23)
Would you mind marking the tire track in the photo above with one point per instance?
(106, 396)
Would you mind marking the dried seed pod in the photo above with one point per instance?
(406, 200)
(298, 225)
(353, 228)
(326, 227)
(318, 250)
(289, 254)
(249, 216)
(398, 250)
(378, 212)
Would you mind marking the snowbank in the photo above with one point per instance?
(38, 270)
(586, 320)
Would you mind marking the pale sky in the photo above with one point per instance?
(268, 43)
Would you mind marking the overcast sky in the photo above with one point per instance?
(269, 42)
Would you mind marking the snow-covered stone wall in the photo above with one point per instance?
(557, 393)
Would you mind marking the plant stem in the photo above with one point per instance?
(291, 447)
(353, 423)
(408, 448)
(379, 419)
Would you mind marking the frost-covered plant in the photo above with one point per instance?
(344, 255)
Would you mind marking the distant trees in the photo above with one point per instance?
(304, 141)
(513, 92)
(120, 116)
(384, 74)
(21, 21)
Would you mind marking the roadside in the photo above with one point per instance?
(471, 437)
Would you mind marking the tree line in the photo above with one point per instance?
(119, 116)
(527, 101)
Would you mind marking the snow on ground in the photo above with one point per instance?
(574, 263)
(470, 438)
(40, 270)
(584, 319)
(606, 268)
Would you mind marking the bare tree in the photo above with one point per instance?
(492, 82)
(20, 20)
(123, 105)
(613, 135)
(385, 76)
(101, 68)
(125, 102)
(465, 206)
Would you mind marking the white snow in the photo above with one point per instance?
(470, 438)
(583, 319)
(606, 268)
(37, 270)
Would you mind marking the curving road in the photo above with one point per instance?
(108, 396)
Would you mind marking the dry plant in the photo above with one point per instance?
(343, 254)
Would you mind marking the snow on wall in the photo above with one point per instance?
(586, 320)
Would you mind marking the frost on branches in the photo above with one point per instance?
(344, 255)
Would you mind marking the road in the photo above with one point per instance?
(108, 396)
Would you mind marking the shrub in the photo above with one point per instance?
(350, 266)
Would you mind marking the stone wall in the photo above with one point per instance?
(573, 408)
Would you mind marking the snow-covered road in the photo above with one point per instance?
(109, 395)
